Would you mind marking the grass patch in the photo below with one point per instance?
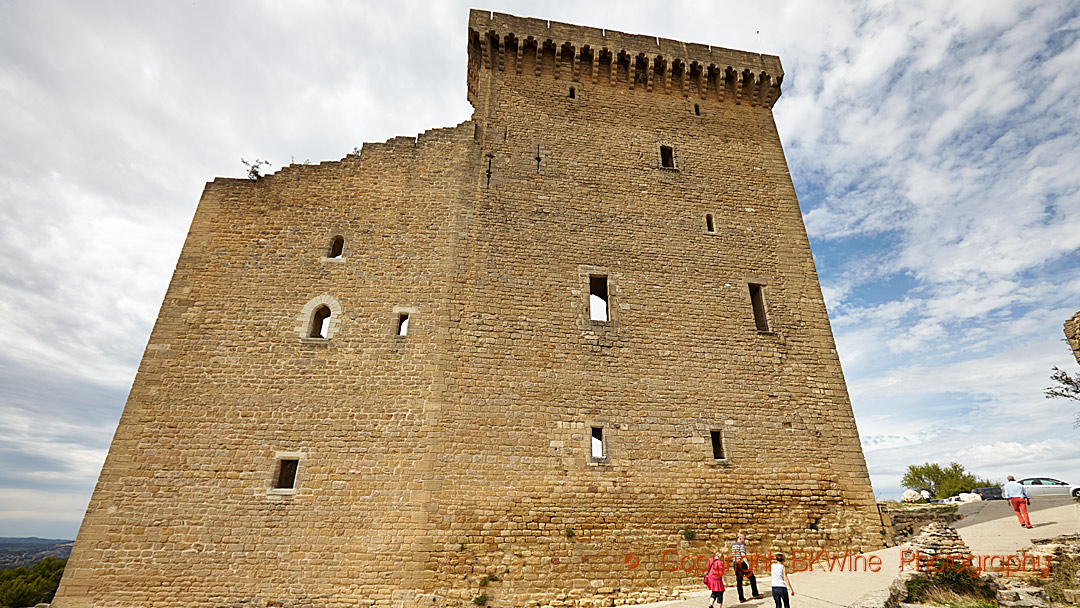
(950, 583)
(952, 599)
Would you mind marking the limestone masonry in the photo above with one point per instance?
(1072, 335)
(546, 357)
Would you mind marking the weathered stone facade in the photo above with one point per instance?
(456, 461)
(1072, 335)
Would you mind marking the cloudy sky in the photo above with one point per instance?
(934, 146)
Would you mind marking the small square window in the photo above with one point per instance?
(667, 157)
(337, 246)
(757, 300)
(286, 477)
(717, 445)
(598, 298)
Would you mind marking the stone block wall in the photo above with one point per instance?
(456, 461)
(1072, 335)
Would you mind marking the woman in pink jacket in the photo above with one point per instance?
(714, 579)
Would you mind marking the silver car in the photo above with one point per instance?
(1045, 486)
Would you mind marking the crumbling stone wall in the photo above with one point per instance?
(910, 522)
(456, 461)
(937, 541)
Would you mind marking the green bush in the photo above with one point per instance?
(942, 482)
(20, 587)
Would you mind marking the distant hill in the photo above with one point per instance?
(24, 551)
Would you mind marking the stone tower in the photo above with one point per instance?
(545, 357)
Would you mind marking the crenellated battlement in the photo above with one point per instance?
(562, 51)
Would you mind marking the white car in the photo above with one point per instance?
(1044, 486)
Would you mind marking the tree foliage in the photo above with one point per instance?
(1067, 387)
(20, 587)
(942, 482)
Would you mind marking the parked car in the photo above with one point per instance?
(1045, 486)
(993, 493)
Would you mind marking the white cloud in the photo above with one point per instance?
(1030, 459)
(934, 147)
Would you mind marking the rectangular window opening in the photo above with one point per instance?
(597, 442)
(757, 298)
(598, 298)
(667, 157)
(717, 445)
(709, 223)
(403, 324)
(286, 477)
(572, 92)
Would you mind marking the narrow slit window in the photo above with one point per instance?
(697, 110)
(667, 157)
(598, 298)
(717, 445)
(709, 223)
(573, 93)
(320, 322)
(757, 299)
(336, 247)
(597, 442)
(286, 477)
(403, 324)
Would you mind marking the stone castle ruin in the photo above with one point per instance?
(534, 359)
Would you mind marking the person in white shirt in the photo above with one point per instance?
(781, 583)
(1017, 494)
(925, 494)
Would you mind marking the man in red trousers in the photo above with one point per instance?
(1017, 494)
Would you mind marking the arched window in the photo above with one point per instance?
(336, 247)
(320, 318)
(320, 322)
